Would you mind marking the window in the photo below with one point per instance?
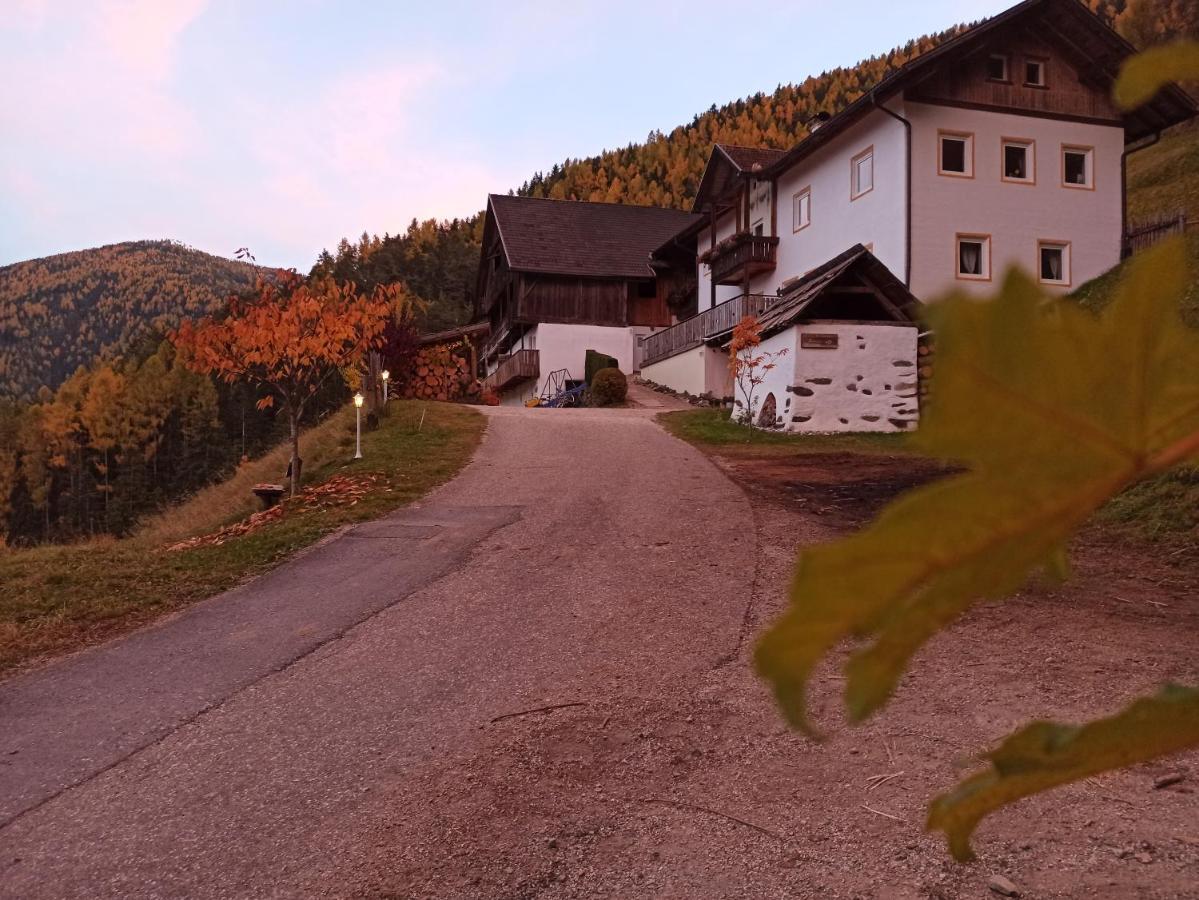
(955, 154)
(759, 228)
(974, 257)
(997, 67)
(861, 174)
(802, 210)
(1019, 163)
(1034, 73)
(1076, 167)
(1053, 262)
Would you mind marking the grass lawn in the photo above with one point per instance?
(713, 429)
(59, 597)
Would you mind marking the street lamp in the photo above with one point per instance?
(386, 378)
(358, 398)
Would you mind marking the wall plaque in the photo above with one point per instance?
(811, 341)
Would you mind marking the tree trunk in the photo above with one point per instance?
(293, 418)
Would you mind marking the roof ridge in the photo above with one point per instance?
(589, 202)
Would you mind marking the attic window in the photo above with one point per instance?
(997, 67)
(1034, 73)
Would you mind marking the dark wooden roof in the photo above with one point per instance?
(1090, 44)
(567, 237)
(727, 163)
(858, 264)
(750, 159)
(474, 330)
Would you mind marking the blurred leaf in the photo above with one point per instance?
(1043, 755)
(1146, 73)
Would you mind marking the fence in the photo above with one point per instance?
(1144, 234)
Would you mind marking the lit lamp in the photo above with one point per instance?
(358, 398)
(386, 378)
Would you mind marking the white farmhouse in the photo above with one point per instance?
(999, 148)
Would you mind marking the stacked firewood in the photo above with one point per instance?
(925, 365)
(440, 372)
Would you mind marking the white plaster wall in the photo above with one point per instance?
(868, 383)
(1015, 215)
(566, 346)
(837, 223)
(701, 370)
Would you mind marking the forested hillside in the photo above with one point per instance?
(61, 312)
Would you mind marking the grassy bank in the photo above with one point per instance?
(57, 598)
(712, 429)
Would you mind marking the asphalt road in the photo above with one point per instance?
(345, 725)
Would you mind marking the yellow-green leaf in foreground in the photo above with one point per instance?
(1043, 755)
(1051, 410)
(1148, 72)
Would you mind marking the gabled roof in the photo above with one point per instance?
(1093, 46)
(729, 161)
(568, 237)
(857, 260)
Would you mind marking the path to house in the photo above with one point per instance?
(536, 684)
(256, 746)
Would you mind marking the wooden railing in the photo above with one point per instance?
(520, 366)
(742, 256)
(709, 324)
(1144, 234)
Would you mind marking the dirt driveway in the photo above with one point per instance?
(570, 713)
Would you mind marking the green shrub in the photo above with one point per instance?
(596, 361)
(609, 387)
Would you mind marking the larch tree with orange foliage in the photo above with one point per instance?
(290, 336)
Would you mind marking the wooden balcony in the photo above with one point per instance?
(709, 325)
(739, 258)
(520, 366)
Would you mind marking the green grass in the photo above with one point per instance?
(1165, 177)
(59, 597)
(712, 428)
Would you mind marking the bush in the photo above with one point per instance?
(594, 362)
(609, 387)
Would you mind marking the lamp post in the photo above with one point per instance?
(358, 398)
(386, 377)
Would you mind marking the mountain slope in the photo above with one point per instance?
(60, 312)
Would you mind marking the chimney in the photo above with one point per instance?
(817, 121)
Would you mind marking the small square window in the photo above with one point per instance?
(759, 228)
(956, 154)
(1053, 262)
(1018, 161)
(974, 257)
(1076, 167)
(1034, 73)
(861, 173)
(997, 67)
(802, 210)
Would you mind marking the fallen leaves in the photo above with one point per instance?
(339, 491)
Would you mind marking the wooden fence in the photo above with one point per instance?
(1144, 234)
(709, 324)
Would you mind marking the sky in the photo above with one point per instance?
(285, 126)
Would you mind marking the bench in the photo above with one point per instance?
(269, 494)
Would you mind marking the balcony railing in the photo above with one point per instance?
(520, 366)
(741, 257)
(708, 325)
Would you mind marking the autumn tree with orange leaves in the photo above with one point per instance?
(748, 364)
(290, 336)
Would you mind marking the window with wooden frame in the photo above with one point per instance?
(1078, 167)
(997, 67)
(1053, 262)
(861, 173)
(955, 154)
(1018, 160)
(1034, 72)
(801, 209)
(973, 257)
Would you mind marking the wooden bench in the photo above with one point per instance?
(269, 494)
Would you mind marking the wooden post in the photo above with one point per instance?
(712, 246)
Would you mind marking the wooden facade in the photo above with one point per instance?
(1067, 92)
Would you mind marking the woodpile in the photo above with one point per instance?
(925, 365)
(440, 372)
